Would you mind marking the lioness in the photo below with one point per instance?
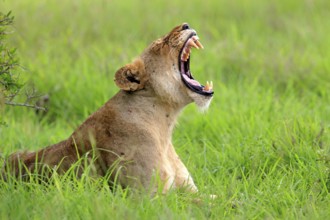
(131, 133)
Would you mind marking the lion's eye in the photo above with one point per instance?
(185, 27)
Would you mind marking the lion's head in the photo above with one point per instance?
(163, 69)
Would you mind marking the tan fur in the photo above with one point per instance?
(132, 132)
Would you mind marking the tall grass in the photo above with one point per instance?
(264, 145)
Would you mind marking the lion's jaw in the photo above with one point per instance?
(167, 60)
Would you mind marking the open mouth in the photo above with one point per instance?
(184, 67)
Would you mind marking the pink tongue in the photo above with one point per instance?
(191, 81)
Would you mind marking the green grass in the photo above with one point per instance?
(264, 145)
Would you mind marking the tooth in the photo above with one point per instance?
(195, 45)
(192, 43)
(196, 41)
(211, 85)
(184, 57)
(207, 86)
(199, 44)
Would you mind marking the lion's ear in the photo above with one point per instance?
(132, 76)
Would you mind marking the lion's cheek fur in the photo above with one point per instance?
(167, 87)
(165, 80)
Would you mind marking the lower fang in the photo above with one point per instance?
(207, 86)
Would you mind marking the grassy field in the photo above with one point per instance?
(264, 145)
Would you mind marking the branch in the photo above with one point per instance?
(26, 105)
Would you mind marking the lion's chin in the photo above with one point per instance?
(201, 101)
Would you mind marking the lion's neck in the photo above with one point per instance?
(149, 110)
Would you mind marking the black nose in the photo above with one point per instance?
(185, 26)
